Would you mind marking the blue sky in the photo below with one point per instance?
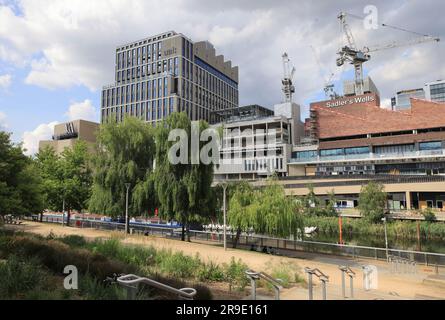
(55, 55)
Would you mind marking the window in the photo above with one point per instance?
(304, 154)
(331, 152)
(357, 150)
(430, 145)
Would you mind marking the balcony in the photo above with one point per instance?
(373, 156)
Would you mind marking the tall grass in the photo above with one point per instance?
(396, 229)
(18, 276)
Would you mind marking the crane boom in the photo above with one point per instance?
(396, 44)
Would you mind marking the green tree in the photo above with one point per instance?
(240, 209)
(20, 182)
(183, 189)
(268, 210)
(330, 205)
(372, 202)
(125, 155)
(277, 214)
(66, 178)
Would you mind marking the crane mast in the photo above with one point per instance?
(288, 87)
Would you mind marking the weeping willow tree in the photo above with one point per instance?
(268, 210)
(183, 188)
(241, 208)
(125, 155)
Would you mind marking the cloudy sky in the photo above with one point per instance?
(55, 55)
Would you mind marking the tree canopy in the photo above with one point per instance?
(20, 182)
(183, 188)
(125, 155)
(66, 177)
(267, 210)
(372, 201)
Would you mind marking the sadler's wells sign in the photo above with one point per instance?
(349, 101)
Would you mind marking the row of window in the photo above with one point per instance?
(148, 111)
(139, 55)
(170, 66)
(215, 72)
(263, 164)
(136, 92)
(432, 145)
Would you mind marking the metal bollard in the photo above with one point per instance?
(343, 283)
(310, 286)
(132, 292)
(351, 286)
(323, 281)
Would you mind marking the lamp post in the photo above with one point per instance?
(224, 186)
(386, 238)
(127, 223)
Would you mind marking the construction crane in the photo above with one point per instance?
(350, 53)
(288, 87)
(329, 89)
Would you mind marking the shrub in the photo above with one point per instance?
(210, 272)
(18, 276)
(235, 274)
(429, 215)
(74, 241)
(93, 289)
(177, 264)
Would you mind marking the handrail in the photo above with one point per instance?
(348, 270)
(131, 279)
(317, 272)
(276, 283)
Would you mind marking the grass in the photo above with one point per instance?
(287, 272)
(18, 276)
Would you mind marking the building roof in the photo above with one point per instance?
(360, 119)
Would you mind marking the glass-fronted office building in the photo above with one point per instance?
(435, 91)
(170, 73)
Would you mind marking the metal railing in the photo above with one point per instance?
(284, 245)
(131, 283)
(320, 275)
(402, 265)
(254, 276)
(346, 271)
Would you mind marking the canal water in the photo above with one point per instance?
(425, 245)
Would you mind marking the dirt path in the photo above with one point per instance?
(396, 286)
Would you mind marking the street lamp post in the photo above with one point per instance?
(224, 185)
(127, 223)
(386, 238)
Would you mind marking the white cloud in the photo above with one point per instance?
(5, 81)
(82, 110)
(3, 123)
(31, 138)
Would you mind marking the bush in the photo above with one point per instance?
(74, 241)
(93, 289)
(429, 215)
(177, 264)
(284, 272)
(210, 272)
(18, 276)
(235, 274)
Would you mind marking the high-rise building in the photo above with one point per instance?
(435, 91)
(170, 73)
